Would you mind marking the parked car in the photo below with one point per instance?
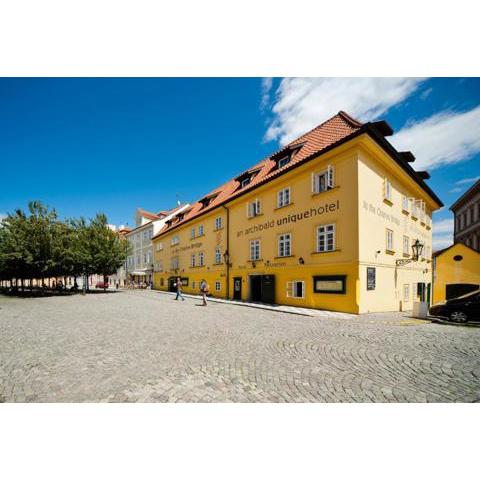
(101, 285)
(461, 309)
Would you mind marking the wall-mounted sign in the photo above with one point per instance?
(329, 284)
(371, 278)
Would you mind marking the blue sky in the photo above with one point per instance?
(87, 145)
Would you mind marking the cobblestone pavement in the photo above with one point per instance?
(145, 347)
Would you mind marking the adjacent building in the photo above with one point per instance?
(328, 221)
(467, 218)
(139, 265)
(456, 271)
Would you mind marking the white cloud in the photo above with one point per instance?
(302, 103)
(442, 233)
(2, 216)
(467, 180)
(455, 190)
(267, 83)
(444, 138)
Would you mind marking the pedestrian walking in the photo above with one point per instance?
(178, 285)
(204, 288)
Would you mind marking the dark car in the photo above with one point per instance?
(461, 309)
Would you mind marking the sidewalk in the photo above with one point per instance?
(309, 312)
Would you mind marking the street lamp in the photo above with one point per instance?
(417, 249)
(226, 257)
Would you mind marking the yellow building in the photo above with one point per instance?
(322, 223)
(456, 272)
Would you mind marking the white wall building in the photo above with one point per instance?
(140, 264)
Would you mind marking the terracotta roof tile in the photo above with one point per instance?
(333, 131)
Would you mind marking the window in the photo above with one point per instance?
(387, 190)
(174, 263)
(283, 197)
(145, 235)
(218, 286)
(322, 181)
(326, 238)
(192, 233)
(405, 203)
(406, 245)
(139, 260)
(149, 257)
(159, 266)
(254, 208)
(159, 246)
(283, 161)
(406, 292)
(175, 240)
(254, 249)
(296, 289)
(201, 259)
(193, 284)
(218, 255)
(245, 182)
(329, 284)
(389, 240)
(284, 245)
(218, 223)
(192, 260)
(144, 258)
(200, 230)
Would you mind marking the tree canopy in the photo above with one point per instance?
(37, 244)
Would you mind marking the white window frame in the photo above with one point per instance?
(245, 182)
(284, 161)
(192, 260)
(319, 186)
(406, 245)
(218, 255)
(285, 242)
(201, 230)
(218, 223)
(175, 262)
(292, 290)
(406, 292)
(389, 241)
(405, 204)
(175, 240)
(192, 233)
(159, 246)
(283, 197)
(218, 285)
(255, 249)
(324, 232)
(254, 208)
(387, 190)
(201, 259)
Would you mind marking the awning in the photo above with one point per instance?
(138, 274)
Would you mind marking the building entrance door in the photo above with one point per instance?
(237, 288)
(262, 288)
(171, 282)
(255, 288)
(268, 288)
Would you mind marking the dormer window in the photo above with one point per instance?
(283, 161)
(206, 201)
(245, 182)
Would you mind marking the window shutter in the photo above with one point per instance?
(289, 289)
(248, 209)
(259, 206)
(330, 177)
(314, 183)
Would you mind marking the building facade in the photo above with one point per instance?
(456, 271)
(322, 223)
(466, 211)
(139, 265)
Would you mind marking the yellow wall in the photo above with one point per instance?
(376, 215)
(360, 232)
(448, 271)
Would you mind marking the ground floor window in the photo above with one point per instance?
(296, 289)
(193, 284)
(329, 284)
(406, 292)
(217, 286)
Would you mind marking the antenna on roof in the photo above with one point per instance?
(178, 201)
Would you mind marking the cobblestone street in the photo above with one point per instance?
(145, 347)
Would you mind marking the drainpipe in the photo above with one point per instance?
(228, 252)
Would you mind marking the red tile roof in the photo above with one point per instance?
(336, 130)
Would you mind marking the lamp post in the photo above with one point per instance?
(417, 249)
